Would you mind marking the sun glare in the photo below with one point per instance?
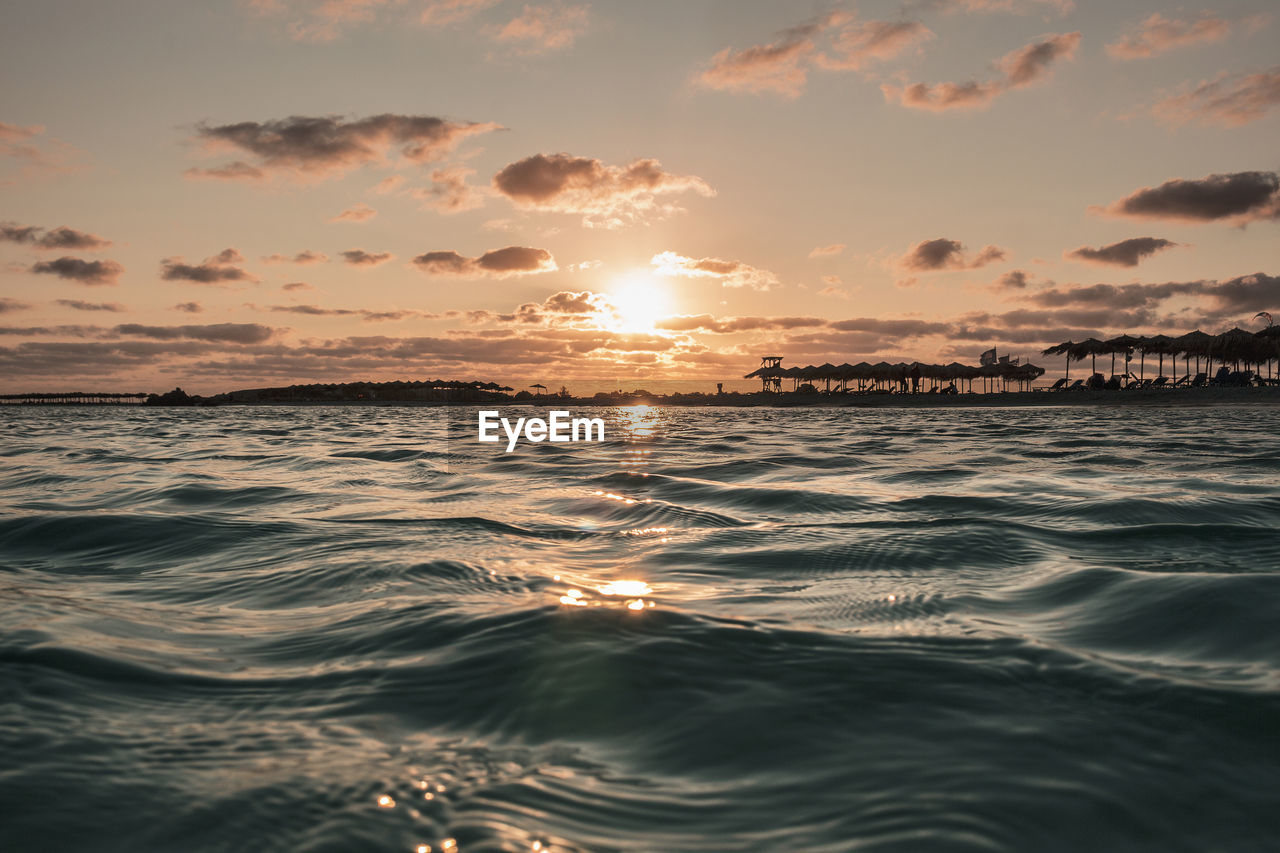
(640, 301)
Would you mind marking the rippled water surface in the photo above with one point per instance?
(349, 629)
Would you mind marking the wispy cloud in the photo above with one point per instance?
(542, 27)
(836, 41)
(1018, 69)
(1158, 34)
(358, 212)
(727, 273)
(1229, 100)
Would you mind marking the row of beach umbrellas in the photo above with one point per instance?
(1236, 346)
(884, 372)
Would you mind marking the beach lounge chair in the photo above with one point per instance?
(1159, 381)
(1200, 381)
(1057, 386)
(1182, 382)
(1076, 386)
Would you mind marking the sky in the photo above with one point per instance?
(243, 193)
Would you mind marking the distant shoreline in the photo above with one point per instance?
(1181, 398)
(1145, 398)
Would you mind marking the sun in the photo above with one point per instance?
(640, 300)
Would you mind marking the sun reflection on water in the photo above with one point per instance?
(627, 594)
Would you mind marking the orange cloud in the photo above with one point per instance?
(826, 251)
(545, 27)
(728, 273)
(359, 212)
(1158, 34)
(1226, 101)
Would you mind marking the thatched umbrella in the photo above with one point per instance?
(1158, 344)
(1235, 345)
(1124, 344)
(1192, 343)
(1089, 347)
(1063, 348)
(1270, 338)
(844, 373)
(540, 388)
(863, 370)
(881, 371)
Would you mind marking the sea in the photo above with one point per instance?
(753, 629)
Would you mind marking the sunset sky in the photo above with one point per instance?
(225, 194)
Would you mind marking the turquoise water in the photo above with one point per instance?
(348, 629)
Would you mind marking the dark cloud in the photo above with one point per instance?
(81, 305)
(66, 331)
(1238, 197)
(296, 285)
(1248, 293)
(189, 307)
(945, 254)
(1020, 68)
(1013, 280)
(78, 269)
(325, 146)
(7, 305)
(218, 269)
(232, 333)
(61, 237)
(908, 328)
(607, 196)
(1116, 296)
(1126, 253)
(498, 263)
(1228, 101)
(361, 258)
